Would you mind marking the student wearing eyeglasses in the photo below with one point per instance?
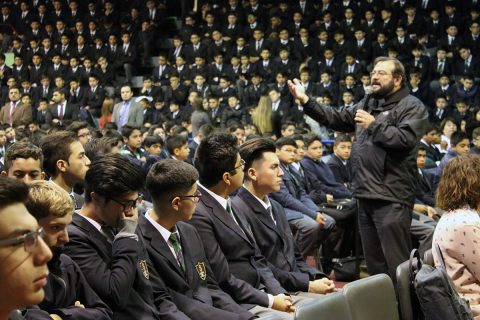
(104, 244)
(23, 253)
(175, 247)
(67, 293)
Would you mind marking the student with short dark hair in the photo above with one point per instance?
(263, 175)
(428, 141)
(236, 262)
(175, 247)
(99, 147)
(67, 294)
(303, 215)
(65, 161)
(132, 138)
(177, 146)
(339, 163)
(23, 161)
(82, 131)
(23, 252)
(459, 145)
(104, 244)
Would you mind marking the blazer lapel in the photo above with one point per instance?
(82, 223)
(262, 214)
(156, 241)
(220, 213)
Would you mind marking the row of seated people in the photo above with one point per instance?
(218, 107)
(131, 271)
(282, 149)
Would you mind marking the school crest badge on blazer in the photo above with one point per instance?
(202, 272)
(144, 267)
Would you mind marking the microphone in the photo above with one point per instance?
(368, 93)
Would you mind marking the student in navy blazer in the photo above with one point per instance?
(269, 223)
(319, 173)
(187, 274)
(104, 244)
(236, 261)
(303, 215)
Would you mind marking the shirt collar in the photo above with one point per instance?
(93, 222)
(265, 204)
(222, 201)
(163, 231)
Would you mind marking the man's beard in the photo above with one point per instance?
(383, 91)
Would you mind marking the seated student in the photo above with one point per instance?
(234, 113)
(23, 252)
(476, 141)
(175, 247)
(104, 245)
(339, 163)
(268, 222)
(429, 141)
(204, 131)
(460, 145)
(319, 174)
(458, 231)
(177, 146)
(237, 131)
(65, 161)
(153, 145)
(23, 161)
(132, 149)
(423, 224)
(424, 194)
(312, 227)
(288, 129)
(461, 111)
(331, 196)
(80, 128)
(440, 111)
(234, 257)
(67, 294)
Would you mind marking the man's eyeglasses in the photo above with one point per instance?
(129, 204)
(194, 197)
(29, 240)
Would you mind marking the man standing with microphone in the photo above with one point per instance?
(389, 123)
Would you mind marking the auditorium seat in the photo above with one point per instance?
(332, 306)
(371, 298)
(408, 303)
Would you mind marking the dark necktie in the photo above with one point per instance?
(178, 249)
(108, 233)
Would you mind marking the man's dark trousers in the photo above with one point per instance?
(385, 233)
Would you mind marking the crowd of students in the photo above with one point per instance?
(71, 58)
(244, 192)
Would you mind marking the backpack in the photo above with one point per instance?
(436, 292)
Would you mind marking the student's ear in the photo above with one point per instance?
(62, 165)
(175, 203)
(42, 174)
(252, 174)
(176, 151)
(226, 178)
